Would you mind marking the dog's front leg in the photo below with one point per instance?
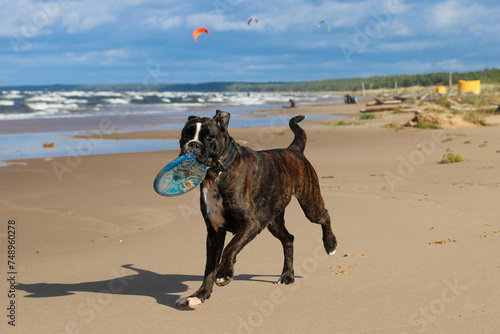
(226, 269)
(215, 244)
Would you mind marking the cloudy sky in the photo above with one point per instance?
(150, 41)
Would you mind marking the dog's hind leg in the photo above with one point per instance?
(311, 202)
(278, 229)
(329, 240)
(319, 215)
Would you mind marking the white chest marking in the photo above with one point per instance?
(213, 201)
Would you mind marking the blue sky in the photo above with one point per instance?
(150, 41)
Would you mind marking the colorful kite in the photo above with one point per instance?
(252, 19)
(328, 23)
(198, 31)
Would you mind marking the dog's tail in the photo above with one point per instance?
(299, 142)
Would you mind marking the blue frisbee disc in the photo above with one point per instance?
(180, 176)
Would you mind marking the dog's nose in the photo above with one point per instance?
(194, 145)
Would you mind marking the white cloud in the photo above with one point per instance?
(27, 18)
(214, 21)
(398, 28)
(70, 59)
(104, 57)
(164, 17)
(295, 15)
(454, 17)
(30, 18)
(82, 16)
(164, 21)
(408, 46)
(314, 44)
(453, 14)
(416, 66)
(306, 16)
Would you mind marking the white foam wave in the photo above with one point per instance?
(6, 103)
(108, 94)
(51, 107)
(116, 101)
(80, 104)
(12, 95)
(50, 98)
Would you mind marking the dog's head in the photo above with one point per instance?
(206, 138)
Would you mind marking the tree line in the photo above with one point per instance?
(347, 84)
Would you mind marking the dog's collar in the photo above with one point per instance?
(227, 158)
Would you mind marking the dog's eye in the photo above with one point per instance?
(209, 138)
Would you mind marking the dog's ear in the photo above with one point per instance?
(192, 117)
(222, 119)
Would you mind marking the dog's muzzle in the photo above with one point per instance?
(201, 153)
(194, 145)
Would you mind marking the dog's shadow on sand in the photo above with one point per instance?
(165, 289)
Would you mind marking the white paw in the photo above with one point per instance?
(333, 252)
(188, 301)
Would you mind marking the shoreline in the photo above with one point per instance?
(135, 121)
(278, 117)
(103, 135)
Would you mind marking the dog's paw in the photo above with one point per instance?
(330, 244)
(188, 301)
(224, 276)
(286, 280)
(223, 281)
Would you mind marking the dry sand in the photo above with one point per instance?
(101, 252)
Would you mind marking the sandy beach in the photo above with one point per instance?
(98, 251)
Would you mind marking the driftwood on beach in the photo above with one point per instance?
(389, 103)
(403, 109)
(384, 100)
(368, 110)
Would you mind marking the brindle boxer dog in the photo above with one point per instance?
(245, 191)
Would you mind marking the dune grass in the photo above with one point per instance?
(450, 158)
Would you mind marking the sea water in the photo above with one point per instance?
(31, 145)
(37, 104)
(35, 118)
